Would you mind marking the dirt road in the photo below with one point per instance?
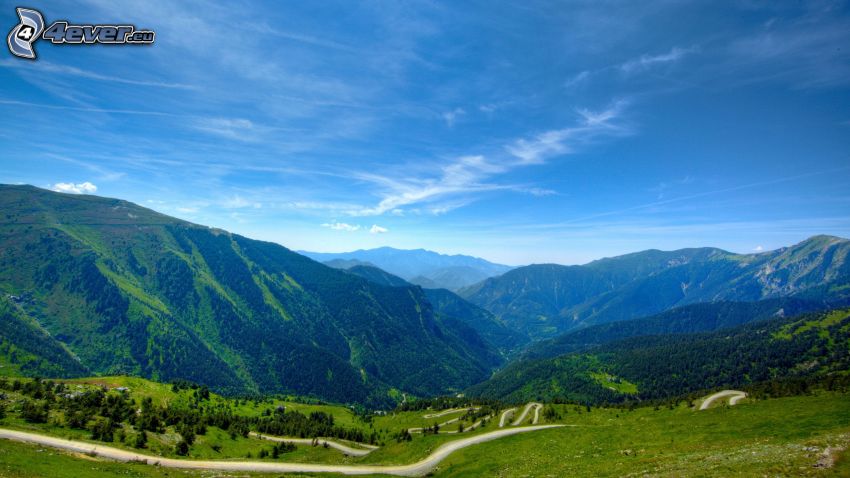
(736, 396)
(415, 469)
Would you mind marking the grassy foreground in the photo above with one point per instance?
(778, 437)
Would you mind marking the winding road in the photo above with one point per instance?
(528, 407)
(419, 468)
(506, 415)
(736, 396)
(321, 442)
(448, 412)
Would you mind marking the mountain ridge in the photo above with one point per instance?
(545, 300)
(133, 291)
(421, 266)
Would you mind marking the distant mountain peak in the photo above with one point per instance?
(421, 266)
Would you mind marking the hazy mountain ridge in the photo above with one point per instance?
(544, 300)
(420, 266)
(129, 290)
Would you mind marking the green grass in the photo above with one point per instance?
(615, 383)
(20, 460)
(828, 320)
(763, 438)
(776, 437)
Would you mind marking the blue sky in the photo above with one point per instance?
(516, 131)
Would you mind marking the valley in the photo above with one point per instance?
(792, 435)
(127, 335)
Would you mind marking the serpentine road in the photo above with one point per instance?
(506, 415)
(448, 412)
(736, 396)
(419, 468)
(321, 442)
(536, 406)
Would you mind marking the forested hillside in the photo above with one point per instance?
(546, 300)
(130, 291)
(688, 319)
(449, 304)
(658, 366)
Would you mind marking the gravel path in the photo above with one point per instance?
(736, 396)
(419, 468)
(505, 416)
(525, 411)
(321, 442)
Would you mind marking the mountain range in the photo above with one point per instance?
(646, 367)
(421, 267)
(545, 300)
(103, 286)
(92, 285)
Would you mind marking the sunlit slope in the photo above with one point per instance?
(131, 291)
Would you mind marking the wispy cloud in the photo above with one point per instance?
(661, 188)
(564, 141)
(75, 188)
(450, 117)
(64, 70)
(577, 80)
(341, 226)
(376, 229)
(808, 52)
(238, 202)
(645, 61)
(468, 176)
(232, 128)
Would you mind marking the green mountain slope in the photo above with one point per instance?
(26, 348)
(131, 291)
(688, 319)
(545, 300)
(659, 366)
(450, 305)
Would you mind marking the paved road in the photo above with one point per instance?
(415, 469)
(321, 441)
(736, 396)
(525, 411)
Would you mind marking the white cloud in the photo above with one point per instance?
(238, 202)
(66, 70)
(341, 226)
(72, 188)
(463, 176)
(645, 61)
(376, 229)
(758, 248)
(564, 141)
(232, 128)
(577, 80)
(461, 179)
(451, 116)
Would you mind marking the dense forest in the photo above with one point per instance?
(703, 317)
(659, 366)
(546, 300)
(113, 415)
(108, 287)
